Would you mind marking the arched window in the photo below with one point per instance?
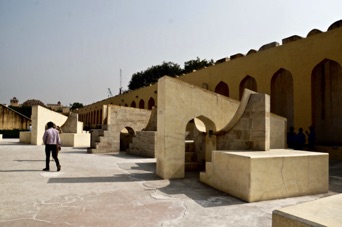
(249, 83)
(326, 96)
(133, 104)
(282, 95)
(151, 103)
(141, 104)
(222, 89)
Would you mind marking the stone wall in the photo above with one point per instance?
(118, 118)
(143, 144)
(72, 125)
(10, 119)
(252, 131)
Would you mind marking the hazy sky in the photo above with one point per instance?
(73, 50)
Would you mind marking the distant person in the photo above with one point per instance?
(30, 127)
(301, 139)
(311, 138)
(51, 140)
(291, 138)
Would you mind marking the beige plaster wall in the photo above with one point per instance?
(178, 103)
(298, 55)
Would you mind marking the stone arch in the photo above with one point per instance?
(326, 96)
(151, 103)
(222, 89)
(174, 113)
(282, 100)
(141, 104)
(126, 137)
(133, 104)
(199, 142)
(249, 83)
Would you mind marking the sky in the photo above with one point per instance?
(73, 50)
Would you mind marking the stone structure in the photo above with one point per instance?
(274, 174)
(321, 212)
(294, 67)
(72, 135)
(11, 119)
(143, 144)
(239, 159)
(118, 118)
(14, 102)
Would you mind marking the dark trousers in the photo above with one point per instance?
(53, 149)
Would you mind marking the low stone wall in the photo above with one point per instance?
(75, 140)
(25, 137)
(144, 144)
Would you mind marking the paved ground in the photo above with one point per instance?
(119, 190)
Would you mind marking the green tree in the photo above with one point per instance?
(152, 74)
(197, 64)
(76, 105)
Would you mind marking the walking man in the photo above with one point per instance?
(51, 140)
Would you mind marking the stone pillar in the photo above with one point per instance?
(210, 145)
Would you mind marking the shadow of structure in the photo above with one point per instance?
(335, 176)
(190, 186)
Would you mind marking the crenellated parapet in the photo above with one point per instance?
(274, 44)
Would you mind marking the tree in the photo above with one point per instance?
(152, 74)
(76, 105)
(197, 64)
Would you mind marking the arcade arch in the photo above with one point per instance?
(126, 137)
(326, 96)
(199, 143)
(249, 83)
(151, 103)
(222, 89)
(282, 98)
(141, 104)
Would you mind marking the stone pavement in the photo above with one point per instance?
(119, 190)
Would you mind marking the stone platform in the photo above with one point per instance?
(319, 213)
(264, 175)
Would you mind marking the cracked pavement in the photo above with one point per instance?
(119, 190)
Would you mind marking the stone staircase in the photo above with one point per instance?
(102, 141)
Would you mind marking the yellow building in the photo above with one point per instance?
(303, 76)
